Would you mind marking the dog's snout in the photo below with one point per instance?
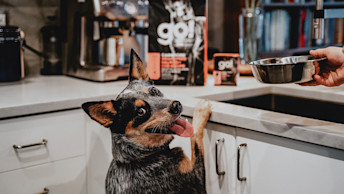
(176, 107)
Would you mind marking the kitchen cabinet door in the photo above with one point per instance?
(66, 176)
(63, 131)
(273, 164)
(219, 145)
(99, 155)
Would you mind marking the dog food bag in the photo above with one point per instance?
(226, 68)
(177, 42)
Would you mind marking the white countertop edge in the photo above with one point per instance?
(298, 128)
(38, 108)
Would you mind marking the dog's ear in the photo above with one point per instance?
(103, 112)
(137, 68)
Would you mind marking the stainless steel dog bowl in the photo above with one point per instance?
(294, 69)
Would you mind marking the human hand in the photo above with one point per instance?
(331, 74)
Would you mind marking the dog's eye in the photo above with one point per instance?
(141, 112)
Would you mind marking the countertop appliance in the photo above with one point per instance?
(99, 34)
(11, 54)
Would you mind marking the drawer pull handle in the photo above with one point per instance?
(18, 147)
(218, 172)
(238, 163)
(45, 191)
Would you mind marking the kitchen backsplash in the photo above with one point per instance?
(30, 16)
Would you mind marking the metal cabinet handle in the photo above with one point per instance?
(216, 156)
(238, 163)
(45, 191)
(18, 147)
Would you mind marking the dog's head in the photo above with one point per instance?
(140, 111)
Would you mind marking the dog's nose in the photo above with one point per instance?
(176, 107)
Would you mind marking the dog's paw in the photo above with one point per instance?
(201, 115)
(203, 109)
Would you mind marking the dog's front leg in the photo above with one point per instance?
(200, 117)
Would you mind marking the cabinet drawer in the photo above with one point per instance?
(66, 176)
(64, 132)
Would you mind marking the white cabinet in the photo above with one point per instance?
(269, 164)
(99, 155)
(59, 162)
(220, 156)
(273, 164)
(65, 176)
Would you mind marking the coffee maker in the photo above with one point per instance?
(99, 34)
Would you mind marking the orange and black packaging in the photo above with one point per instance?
(177, 42)
(226, 68)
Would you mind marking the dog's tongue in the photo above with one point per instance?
(182, 128)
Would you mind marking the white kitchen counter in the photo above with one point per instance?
(53, 93)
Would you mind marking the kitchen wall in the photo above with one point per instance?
(215, 24)
(223, 30)
(30, 16)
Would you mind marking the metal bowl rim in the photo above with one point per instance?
(283, 64)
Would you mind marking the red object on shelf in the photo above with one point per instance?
(302, 35)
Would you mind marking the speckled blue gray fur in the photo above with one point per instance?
(151, 170)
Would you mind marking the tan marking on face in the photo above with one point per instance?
(158, 119)
(139, 135)
(130, 129)
(139, 103)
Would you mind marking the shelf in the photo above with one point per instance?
(285, 53)
(270, 6)
(291, 52)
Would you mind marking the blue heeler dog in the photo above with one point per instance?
(142, 123)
